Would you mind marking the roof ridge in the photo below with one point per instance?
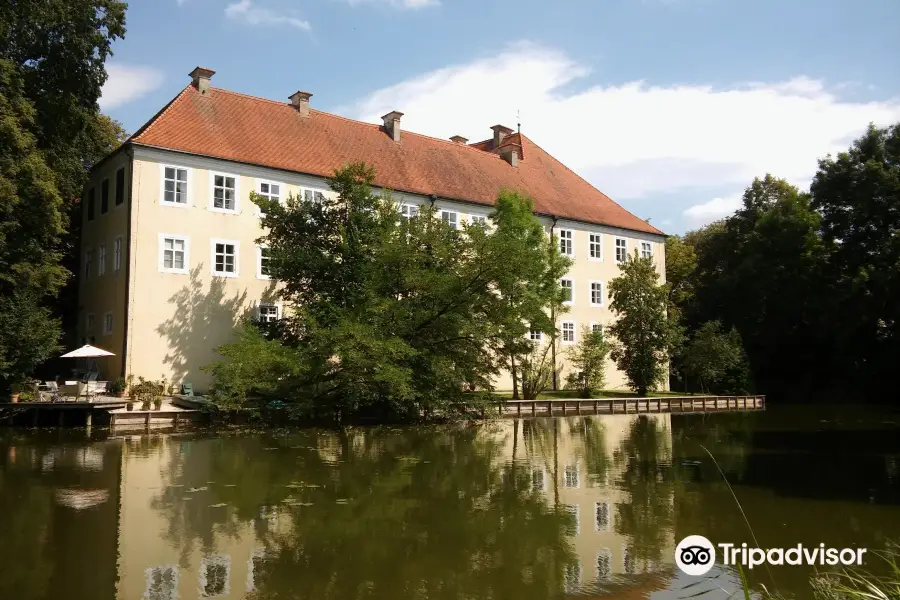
(342, 117)
(604, 194)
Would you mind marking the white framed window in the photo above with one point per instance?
(450, 217)
(480, 219)
(89, 321)
(596, 290)
(117, 254)
(408, 211)
(595, 246)
(161, 583)
(628, 562)
(565, 242)
(269, 189)
(225, 191)
(224, 257)
(621, 250)
(174, 185)
(573, 528)
(646, 250)
(254, 566)
(174, 252)
(598, 328)
(311, 194)
(107, 323)
(573, 577)
(535, 335)
(571, 479)
(215, 573)
(604, 564)
(601, 516)
(568, 290)
(101, 259)
(568, 332)
(537, 479)
(268, 313)
(88, 263)
(262, 262)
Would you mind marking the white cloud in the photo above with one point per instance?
(700, 214)
(247, 12)
(126, 83)
(633, 139)
(405, 4)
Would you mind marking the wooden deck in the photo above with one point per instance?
(101, 411)
(612, 406)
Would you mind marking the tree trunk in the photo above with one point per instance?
(642, 391)
(512, 366)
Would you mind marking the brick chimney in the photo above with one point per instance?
(300, 101)
(500, 132)
(459, 139)
(201, 77)
(392, 124)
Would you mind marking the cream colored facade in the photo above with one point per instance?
(167, 322)
(561, 476)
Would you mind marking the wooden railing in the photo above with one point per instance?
(609, 406)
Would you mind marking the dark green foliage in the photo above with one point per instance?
(31, 224)
(588, 361)
(810, 282)
(52, 56)
(643, 334)
(714, 360)
(389, 317)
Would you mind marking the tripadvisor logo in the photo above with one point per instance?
(696, 555)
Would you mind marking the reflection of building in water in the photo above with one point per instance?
(161, 555)
(583, 466)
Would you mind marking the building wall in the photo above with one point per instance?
(98, 294)
(176, 320)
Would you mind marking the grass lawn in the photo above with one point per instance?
(560, 394)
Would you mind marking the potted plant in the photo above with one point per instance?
(15, 391)
(116, 387)
(158, 391)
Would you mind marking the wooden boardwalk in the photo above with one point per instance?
(612, 406)
(103, 411)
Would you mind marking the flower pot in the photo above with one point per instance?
(120, 394)
(14, 397)
(129, 406)
(145, 405)
(157, 404)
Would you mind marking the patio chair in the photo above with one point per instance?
(187, 389)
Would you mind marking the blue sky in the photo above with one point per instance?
(669, 106)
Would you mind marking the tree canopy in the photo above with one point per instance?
(390, 315)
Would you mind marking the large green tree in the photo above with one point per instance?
(52, 56)
(528, 284)
(390, 316)
(32, 223)
(643, 334)
(857, 194)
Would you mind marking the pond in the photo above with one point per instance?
(586, 507)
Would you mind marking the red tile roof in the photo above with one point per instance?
(232, 126)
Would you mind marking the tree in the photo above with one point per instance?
(715, 359)
(681, 265)
(858, 195)
(59, 49)
(31, 226)
(588, 360)
(529, 283)
(761, 271)
(536, 370)
(643, 334)
(391, 317)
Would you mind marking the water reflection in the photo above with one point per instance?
(541, 508)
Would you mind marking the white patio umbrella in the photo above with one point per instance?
(88, 351)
